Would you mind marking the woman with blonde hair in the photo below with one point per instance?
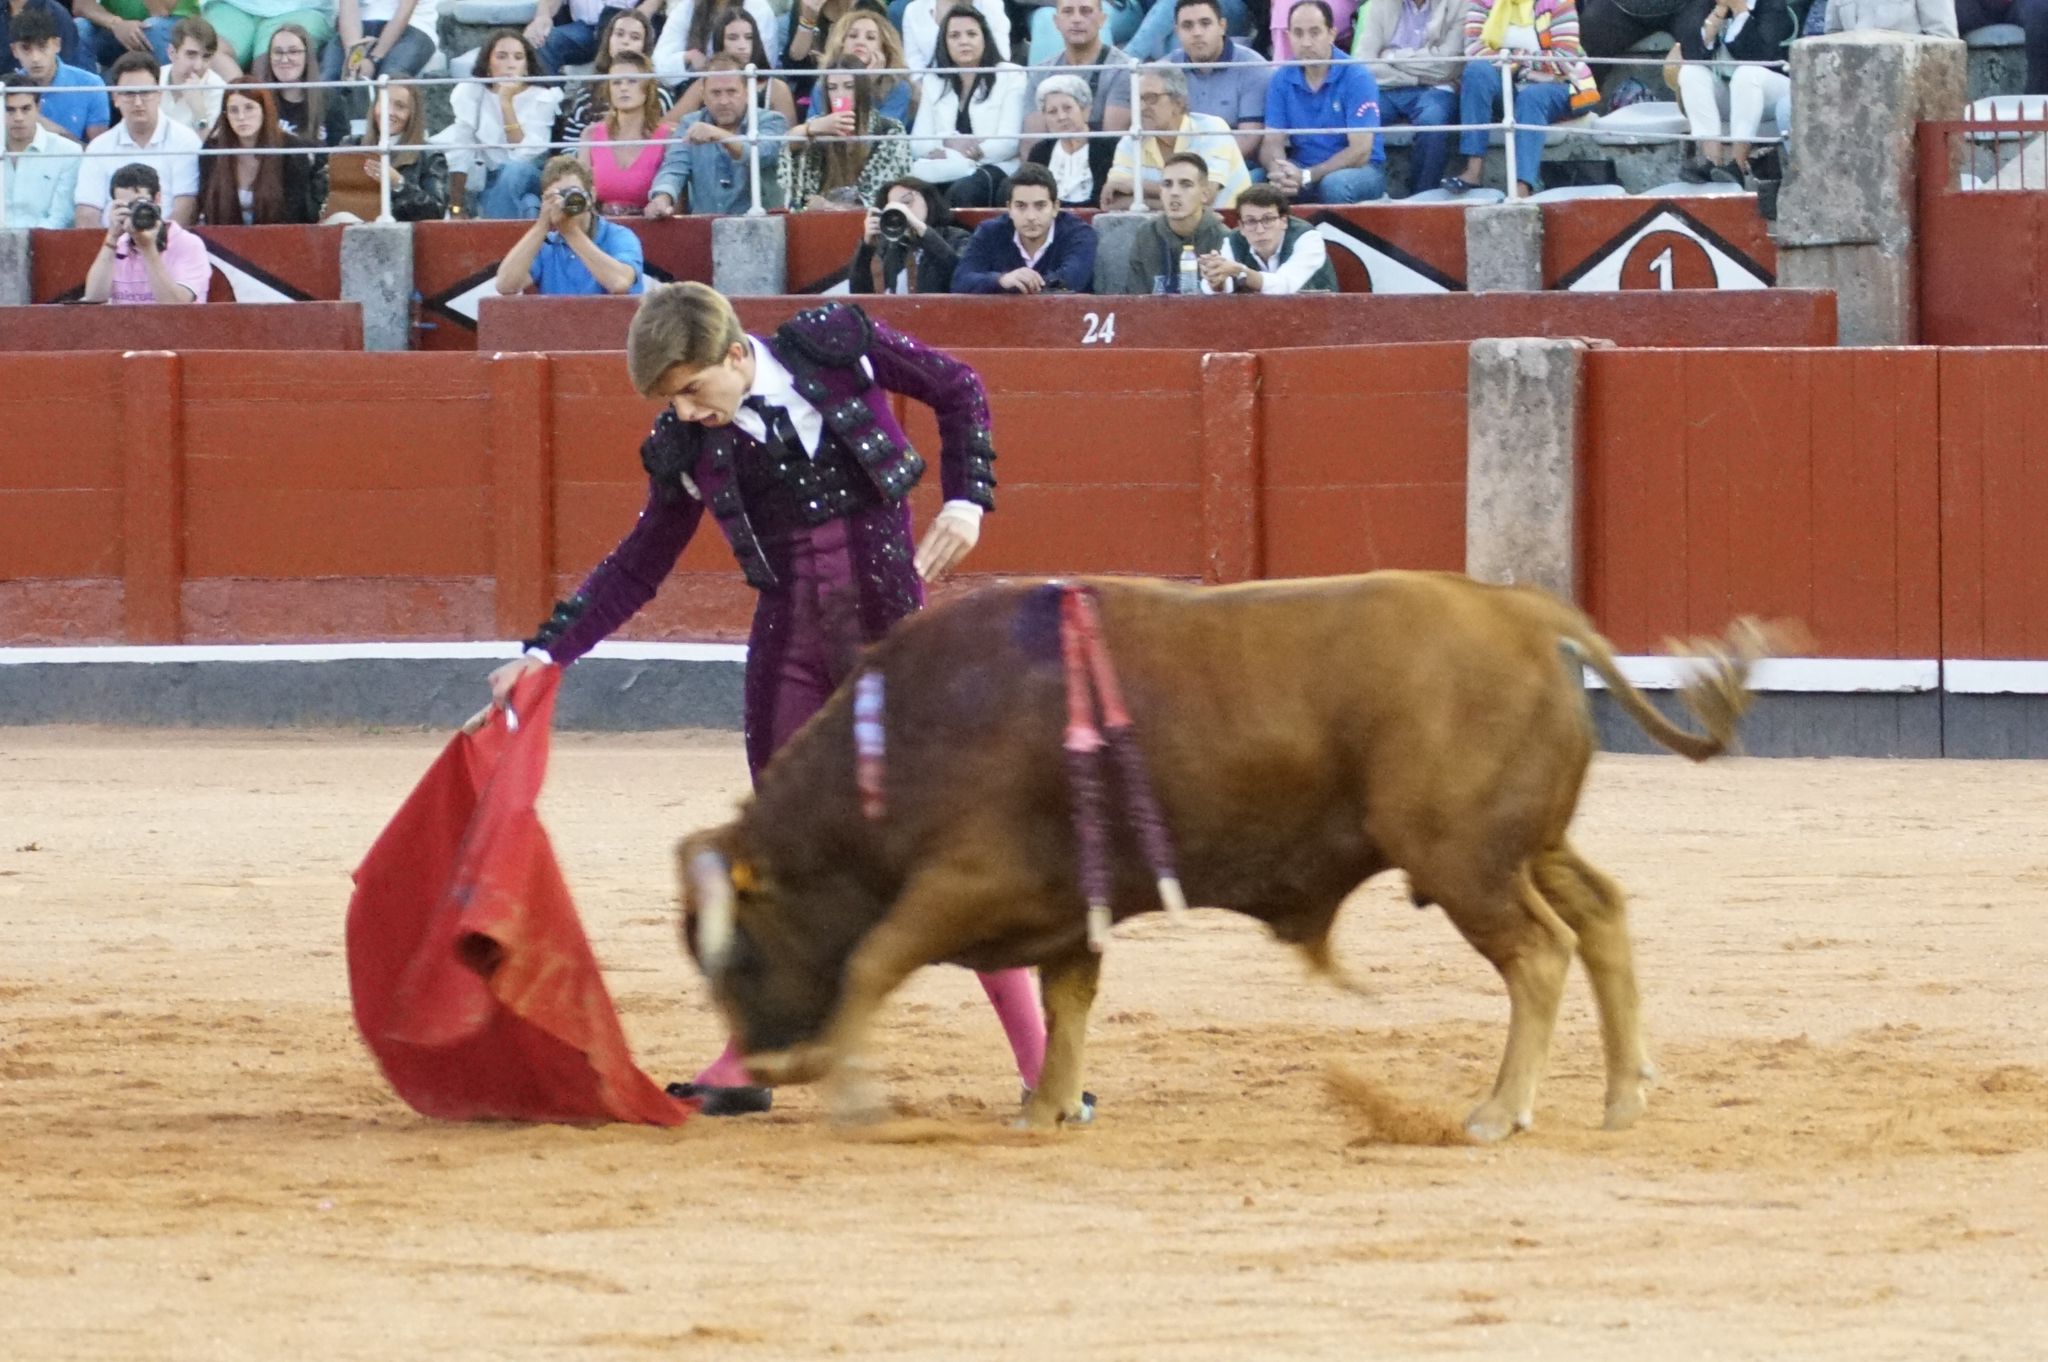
(871, 40)
(826, 164)
(419, 179)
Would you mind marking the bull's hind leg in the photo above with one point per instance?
(1068, 985)
(1594, 905)
(1532, 949)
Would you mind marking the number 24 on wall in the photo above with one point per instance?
(1101, 330)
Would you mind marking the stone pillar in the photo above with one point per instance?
(376, 271)
(1523, 403)
(1846, 213)
(15, 285)
(749, 255)
(1114, 233)
(1504, 247)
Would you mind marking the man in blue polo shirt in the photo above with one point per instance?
(34, 41)
(1322, 167)
(570, 249)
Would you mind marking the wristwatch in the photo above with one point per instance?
(1306, 176)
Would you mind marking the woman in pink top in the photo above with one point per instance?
(624, 175)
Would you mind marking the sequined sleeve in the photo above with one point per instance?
(626, 580)
(954, 393)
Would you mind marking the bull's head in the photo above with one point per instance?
(767, 974)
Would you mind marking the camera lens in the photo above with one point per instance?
(894, 224)
(575, 201)
(144, 216)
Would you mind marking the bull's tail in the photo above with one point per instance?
(1717, 694)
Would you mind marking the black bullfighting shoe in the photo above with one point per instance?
(1087, 1107)
(742, 1100)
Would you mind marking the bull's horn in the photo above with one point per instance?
(711, 892)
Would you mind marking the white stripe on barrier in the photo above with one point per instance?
(1991, 676)
(360, 652)
(1829, 675)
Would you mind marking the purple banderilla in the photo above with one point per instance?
(1092, 680)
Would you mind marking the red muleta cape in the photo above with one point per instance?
(474, 985)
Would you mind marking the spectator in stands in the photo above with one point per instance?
(168, 265)
(1323, 167)
(1722, 98)
(1166, 127)
(1611, 28)
(1038, 247)
(1551, 83)
(1226, 79)
(1106, 85)
(238, 186)
(103, 31)
(695, 33)
(924, 44)
(569, 253)
(824, 166)
(1180, 234)
(872, 42)
(1271, 252)
(42, 166)
(1120, 20)
(624, 175)
(315, 116)
(804, 27)
(79, 114)
(626, 33)
(917, 256)
(705, 168)
(1344, 14)
(192, 88)
(2030, 15)
(967, 126)
(740, 39)
(169, 150)
(566, 34)
(246, 27)
(1933, 18)
(503, 106)
(72, 49)
(1079, 164)
(374, 38)
(1160, 27)
(1412, 49)
(419, 179)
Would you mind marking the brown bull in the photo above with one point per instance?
(1302, 736)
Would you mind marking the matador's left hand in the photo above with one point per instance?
(950, 538)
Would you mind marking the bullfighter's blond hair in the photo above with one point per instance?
(690, 324)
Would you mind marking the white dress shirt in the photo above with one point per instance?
(675, 36)
(1309, 256)
(42, 181)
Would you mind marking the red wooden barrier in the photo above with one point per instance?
(1982, 252)
(1994, 501)
(62, 473)
(1758, 317)
(250, 264)
(221, 326)
(1711, 241)
(1800, 484)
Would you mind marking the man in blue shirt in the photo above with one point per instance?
(34, 41)
(1035, 248)
(570, 249)
(1322, 167)
(708, 168)
(70, 50)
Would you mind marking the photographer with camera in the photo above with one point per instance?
(910, 244)
(570, 249)
(146, 257)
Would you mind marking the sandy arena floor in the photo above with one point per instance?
(1848, 1157)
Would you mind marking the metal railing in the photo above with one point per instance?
(1508, 62)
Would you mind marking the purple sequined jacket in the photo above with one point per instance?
(690, 467)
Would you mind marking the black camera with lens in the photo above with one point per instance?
(894, 224)
(144, 216)
(575, 202)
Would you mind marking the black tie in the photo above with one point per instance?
(781, 430)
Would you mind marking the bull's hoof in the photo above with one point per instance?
(1624, 1110)
(712, 1100)
(1492, 1122)
(1046, 1116)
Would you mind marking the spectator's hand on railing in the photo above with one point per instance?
(1023, 279)
(1217, 269)
(660, 206)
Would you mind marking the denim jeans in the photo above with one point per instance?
(569, 44)
(1155, 36)
(1422, 106)
(1538, 104)
(1355, 185)
(512, 191)
(106, 49)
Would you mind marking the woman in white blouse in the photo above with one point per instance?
(687, 40)
(505, 109)
(921, 29)
(968, 124)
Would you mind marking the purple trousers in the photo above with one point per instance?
(851, 579)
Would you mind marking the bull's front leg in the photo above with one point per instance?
(886, 956)
(1068, 986)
